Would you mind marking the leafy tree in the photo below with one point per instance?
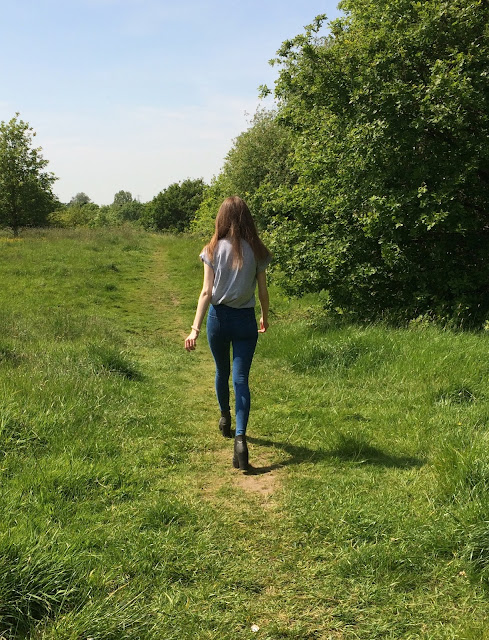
(131, 211)
(122, 197)
(78, 215)
(261, 154)
(205, 216)
(126, 209)
(259, 161)
(26, 196)
(175, 207)
(390, 120)
(82, 212)
(80, 199)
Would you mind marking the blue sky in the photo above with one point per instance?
(137, 94)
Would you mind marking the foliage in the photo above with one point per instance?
(390, 120)
(76, 214)
(260, 156)
(126, 209)
(259, 161)
(133, 211)
(79, 200)
(175, 207)
(26, 197)
(205, 216)
(82, 212)
(122, 197)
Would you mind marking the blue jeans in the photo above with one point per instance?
(225, 327)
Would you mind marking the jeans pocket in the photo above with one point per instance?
(245, 328)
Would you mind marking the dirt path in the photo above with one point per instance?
(217, 480)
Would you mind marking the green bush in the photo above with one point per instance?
(390, 121)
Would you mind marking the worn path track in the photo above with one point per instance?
(214, 472)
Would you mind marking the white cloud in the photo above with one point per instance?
(141, 150)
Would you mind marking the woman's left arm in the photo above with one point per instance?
(264, 300)
(202, 306)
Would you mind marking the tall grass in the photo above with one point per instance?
(368, 513)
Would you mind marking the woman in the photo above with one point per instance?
(234, 262)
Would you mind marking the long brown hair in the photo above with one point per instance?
(235, 222)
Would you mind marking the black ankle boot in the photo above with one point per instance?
(240, 457)
(225, 424)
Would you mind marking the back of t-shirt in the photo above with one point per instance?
(232, 286)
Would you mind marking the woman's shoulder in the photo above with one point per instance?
(224, 242)
(224, 247)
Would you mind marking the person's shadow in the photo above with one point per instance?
(349, 448)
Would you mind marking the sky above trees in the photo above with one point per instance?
(137, 94)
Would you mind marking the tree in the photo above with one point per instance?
(390, 118)
(261, 154)
(122, 197)
(125, 208)
(78, 215)
(26, 197)
(204, 219)
(175, 207)
(259, 161)
(79, 200)
(132, 211)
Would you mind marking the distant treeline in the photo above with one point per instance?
(370, 179)
(173, 209)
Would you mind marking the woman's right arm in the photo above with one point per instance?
(261, 278)
(202, 306)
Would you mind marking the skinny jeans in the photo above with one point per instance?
(227, 326)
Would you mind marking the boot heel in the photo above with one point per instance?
(225, 426)
(240, 457)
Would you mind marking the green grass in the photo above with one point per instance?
(368, 513)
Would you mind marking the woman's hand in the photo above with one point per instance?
(191, 340)
(263, 325)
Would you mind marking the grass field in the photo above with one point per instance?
(366, 515)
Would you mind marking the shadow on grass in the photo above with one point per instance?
(352, 448)
(348, 449)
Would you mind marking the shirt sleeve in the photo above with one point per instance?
(263, 264)
(203, 256)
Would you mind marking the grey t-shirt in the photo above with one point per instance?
(234, 287)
